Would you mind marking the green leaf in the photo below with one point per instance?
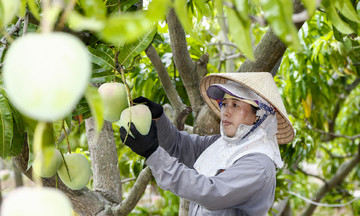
(158, 9)
(130, 50)
(94, 8)
(310, 6)
(17, 142)
(34, 8)
(6, 127)
(43, 136)
(331, 12)
(241, 34)
(126, 28)
(279, 14)
(346, 8)
(79, 22)
(8, 11)
(203, 7)
(126, 4)
(96, 106)
(101, 58)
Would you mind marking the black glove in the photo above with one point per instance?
(155, 109)
(143, 145)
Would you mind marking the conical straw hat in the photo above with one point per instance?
(261, 83)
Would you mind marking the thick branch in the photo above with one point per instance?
(181, 110)
(125, 207)
(339, 176)
(104, 160)
(84, 201)
(164, 77)
(185, 65)
(269, 50)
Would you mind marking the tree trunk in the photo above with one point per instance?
(185, 65)
(104, 161)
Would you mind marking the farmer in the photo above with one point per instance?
(234, 172)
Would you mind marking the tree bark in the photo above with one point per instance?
(339, 176)
(84, 201)
(104, 161)
(270, 49)
(188, 69)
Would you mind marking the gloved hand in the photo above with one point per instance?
(143, 145)
(155, 109)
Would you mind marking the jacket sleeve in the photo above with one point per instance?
(246, 178)
(180, 144)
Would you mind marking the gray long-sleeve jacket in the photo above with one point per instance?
(246, 188)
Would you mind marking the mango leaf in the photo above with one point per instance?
(6, 127)
(126, 28)
(346, 8)
(130, 50)
(279, 15)
(79, 22)
(94, 8)
(101, 58)
(95, 103)
(203, 7)
(157, 9)
(17, 142)
(101, 75)
(184, 18)
(337, 22)
(8, 11)
(310, 6)
(22, 9)
(125, 5)
(43, 137)
(241, 35)
(33, 7)
(82, 108)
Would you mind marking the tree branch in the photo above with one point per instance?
(84, 201)
(185, 65)
(125, 207)
(266, 55)
(164, 77)
(104, 160)
(339, 176)
(309, 174)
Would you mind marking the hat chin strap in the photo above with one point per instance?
(245, 130)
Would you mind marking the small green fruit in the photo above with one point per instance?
(79, 170)
(47, 162)
(140, 115)
(45, 75)
(38, 201)
(114, 98)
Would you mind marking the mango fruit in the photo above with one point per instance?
(36, 201)
(79, 171)
(114, 98)
(140, 115)
(47, 162)
(45, 75)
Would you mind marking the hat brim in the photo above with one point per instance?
(262, 83)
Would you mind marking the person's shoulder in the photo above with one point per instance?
(258, 160)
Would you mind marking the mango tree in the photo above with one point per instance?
(161, 50)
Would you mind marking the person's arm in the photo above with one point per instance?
(179, 144)
(245, 178)
(186, 147)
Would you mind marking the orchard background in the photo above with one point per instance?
(161, 49)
